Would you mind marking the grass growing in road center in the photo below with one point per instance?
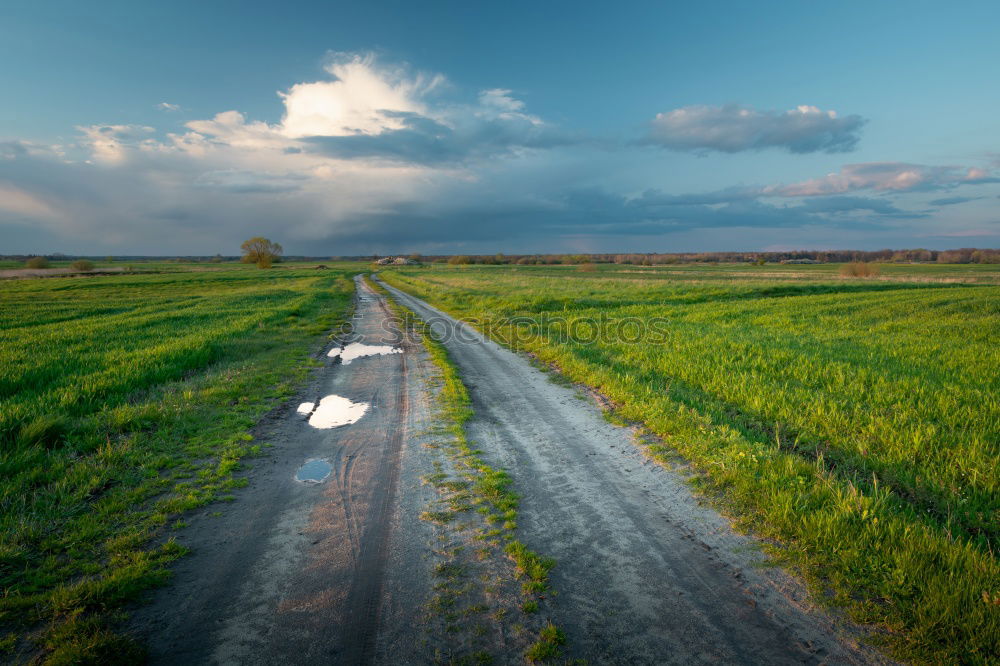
(491, 486)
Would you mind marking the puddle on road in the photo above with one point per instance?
(356, 350)
(333, 411)
(314, 471)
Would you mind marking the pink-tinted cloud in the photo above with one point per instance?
(883, 176)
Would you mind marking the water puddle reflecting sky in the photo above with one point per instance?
(314, 471)
(333, 411)
(356, 350)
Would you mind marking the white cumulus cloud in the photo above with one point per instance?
(364, 98)
(378, 158)
(732, 128)
(108, 144)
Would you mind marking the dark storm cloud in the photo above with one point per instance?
(597, 212)
(423, 140)
(168, 209)
(249, 182)
(727, 195)
(847, 204)
(951, 201)
(12, 149)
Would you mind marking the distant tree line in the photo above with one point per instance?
(920, 255)
(965, 255)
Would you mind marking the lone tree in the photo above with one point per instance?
(261, 251)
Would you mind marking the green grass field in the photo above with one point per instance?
(856, 422)
(126, 400)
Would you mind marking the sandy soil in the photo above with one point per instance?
(646, 573)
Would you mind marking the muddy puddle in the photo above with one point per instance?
(314, 471)
(356, 350)
(333, 411)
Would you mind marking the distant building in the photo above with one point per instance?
(800, 261)
(395, 261)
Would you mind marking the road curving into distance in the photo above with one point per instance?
(323, 557)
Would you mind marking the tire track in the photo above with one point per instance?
(350, 520)
(293, 572)
(361, 628)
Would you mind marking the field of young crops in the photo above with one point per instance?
(856, 422)
(125, 400)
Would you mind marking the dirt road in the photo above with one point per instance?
(294, 572)
(646, 574)
(324, 557)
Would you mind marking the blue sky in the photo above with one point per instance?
(517, 127)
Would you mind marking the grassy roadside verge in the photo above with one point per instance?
(92, 490)
(862, 539)
(488, 487)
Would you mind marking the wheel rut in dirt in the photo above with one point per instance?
(361, 626)
(293, 572)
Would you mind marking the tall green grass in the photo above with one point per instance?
(124, 401)
(856, 421)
